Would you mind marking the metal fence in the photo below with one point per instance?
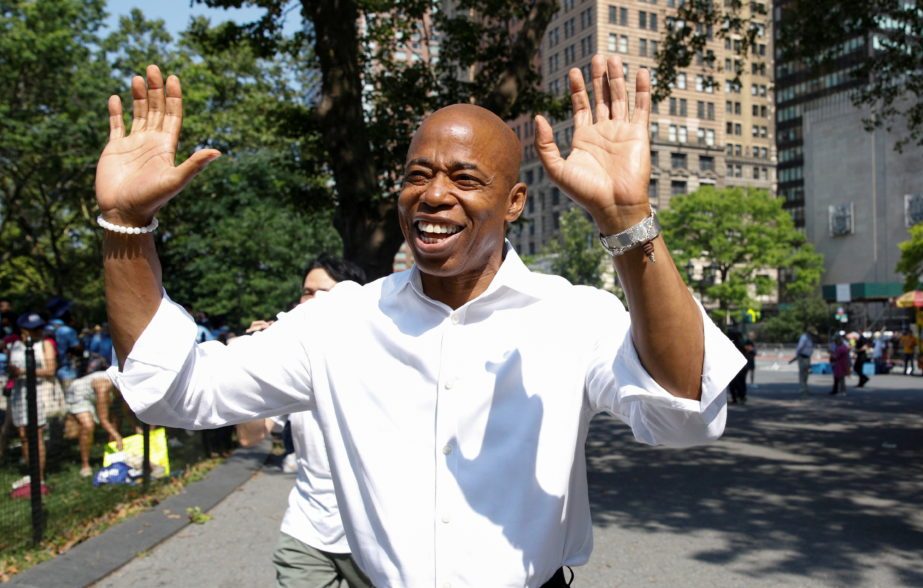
(52, 448)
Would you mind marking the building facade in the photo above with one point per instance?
(708, 132)
(861, 198)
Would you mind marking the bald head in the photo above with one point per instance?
(498, 141)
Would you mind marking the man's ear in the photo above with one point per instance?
(516, 202)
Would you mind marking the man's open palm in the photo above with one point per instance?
(609, 165)
(136, 174)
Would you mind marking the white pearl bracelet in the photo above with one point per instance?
(127, 230)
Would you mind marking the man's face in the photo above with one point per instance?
(317, 280)
(457, 196)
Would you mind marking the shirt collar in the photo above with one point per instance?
(513, 274)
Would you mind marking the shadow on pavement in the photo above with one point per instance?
(833, 484)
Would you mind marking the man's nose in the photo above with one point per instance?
(439, 191)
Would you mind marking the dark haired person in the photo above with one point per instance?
(312, 549)
(454, 398)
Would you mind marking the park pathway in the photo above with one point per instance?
(813, 492)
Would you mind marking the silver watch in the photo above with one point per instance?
(632, 237)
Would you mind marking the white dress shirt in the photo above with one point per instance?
(805, 347)
(456, 437)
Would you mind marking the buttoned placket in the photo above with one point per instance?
(446, 454)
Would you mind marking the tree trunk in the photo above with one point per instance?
(366, 222)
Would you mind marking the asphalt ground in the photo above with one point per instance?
(816, 491)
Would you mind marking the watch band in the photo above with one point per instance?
(632, 237)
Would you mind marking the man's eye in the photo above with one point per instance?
(466, 180)
(415, 178)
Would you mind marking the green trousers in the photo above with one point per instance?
(301, 566)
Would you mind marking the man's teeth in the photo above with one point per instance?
(439, 229)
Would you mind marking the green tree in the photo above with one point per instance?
(52, 80)
(888, 75)
(740, 233)
(797, 315)
(575, 253)
(911, 262)
(373, 92)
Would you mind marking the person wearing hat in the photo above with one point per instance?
(32, 327)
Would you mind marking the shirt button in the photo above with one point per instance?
(449, 384)
(445, 519)
(447, 449)
(455, 319)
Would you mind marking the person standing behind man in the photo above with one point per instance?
(803, 352)
(312, 548)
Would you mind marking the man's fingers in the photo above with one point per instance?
(579, 98)
(642, 114)
(601, 97)
(190, 168)
(548, 152)
(173, 115)
(619, 107)
(116, 124)
(138, 104)
(155, 98)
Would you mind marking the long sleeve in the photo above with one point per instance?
(169, 379)
(618, 383)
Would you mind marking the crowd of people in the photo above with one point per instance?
(71, 381)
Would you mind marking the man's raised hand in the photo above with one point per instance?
(609, 167)
(136, 174)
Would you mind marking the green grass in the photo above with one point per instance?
(75, 510)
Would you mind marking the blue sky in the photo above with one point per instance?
(176, 13)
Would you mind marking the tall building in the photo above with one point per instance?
(708, 132)
(796, 86)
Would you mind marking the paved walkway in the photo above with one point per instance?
(823, 491)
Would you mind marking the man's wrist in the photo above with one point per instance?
(126, 219)
(619, 218)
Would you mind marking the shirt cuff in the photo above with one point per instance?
(722, 362)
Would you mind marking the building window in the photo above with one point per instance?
(841, 219)
(613, 14)
(642, 19)
(913, 209)
(642, 47)
(655, 130)
(710, 137)
(677, 187)
(706, 163)
(652, 189)
(623, 44)
(654, 159)
(623, 17)
(683, 135)
(678, 160)
(700, 109)
(613, 43)
(681, 81)
(555, 196)
(672, 134)
(710, 110)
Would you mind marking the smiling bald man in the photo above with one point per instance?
(454, 398)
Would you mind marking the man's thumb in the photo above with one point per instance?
(197, 162)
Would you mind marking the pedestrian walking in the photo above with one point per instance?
(839, 360)
(862, 351)
(803, 352)
(909, 344)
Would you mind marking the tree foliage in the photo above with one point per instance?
(795, 317)
(384, 65)
(235, 242)
(889, 75)
(575, 253)
(910, 263)
(740, 233)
